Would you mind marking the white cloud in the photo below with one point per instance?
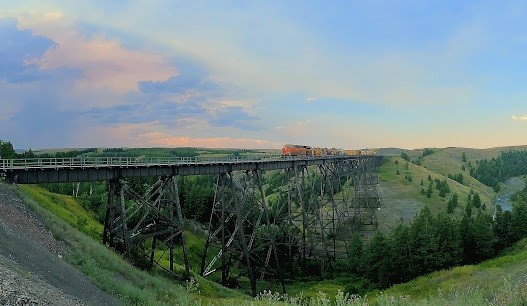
(519, 118)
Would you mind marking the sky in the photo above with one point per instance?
(260, 74)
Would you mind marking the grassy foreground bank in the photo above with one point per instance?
(109, 270)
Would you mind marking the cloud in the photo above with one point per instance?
(232, 115)
(21, 52)
(520, 118)
(151, 134)
(104, 62)
(161, 139)
(311, 99)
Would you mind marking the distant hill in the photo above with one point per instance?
(402, 199)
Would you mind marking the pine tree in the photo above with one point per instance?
(468, 210)
(356, 251)
(465, 236)
(429, 191)
(398, 257)
(448, 245)
(452, 203)
(519, 220)
(503, 229)
(373, 257)
(483, 236)
(476, 200)
(422, 244)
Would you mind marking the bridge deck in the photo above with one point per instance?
(79, 169)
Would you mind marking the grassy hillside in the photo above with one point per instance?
(499, 281)
(109, 270)
(402, 199)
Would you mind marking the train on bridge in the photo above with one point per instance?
(302, 150)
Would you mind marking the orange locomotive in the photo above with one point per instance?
(296, 150)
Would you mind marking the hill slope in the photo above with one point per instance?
(402, 198)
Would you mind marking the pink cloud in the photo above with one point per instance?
(146, 135)
(164, 140)
(105, 63)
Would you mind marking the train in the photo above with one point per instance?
(302, 150)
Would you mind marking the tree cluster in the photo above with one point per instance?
(456, 177)
(7, 151)
(430, 243)
(507, 165)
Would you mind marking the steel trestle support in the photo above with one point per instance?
(138, 225)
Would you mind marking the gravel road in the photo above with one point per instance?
(32, 271)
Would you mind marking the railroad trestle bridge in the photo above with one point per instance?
(310, 218)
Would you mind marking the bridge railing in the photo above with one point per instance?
(95, 162)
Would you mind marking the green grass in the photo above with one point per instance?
(67, 208)
(109, 270)
(402, 199)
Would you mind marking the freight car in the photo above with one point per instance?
(301, 150)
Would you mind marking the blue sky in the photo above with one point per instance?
(259, 74)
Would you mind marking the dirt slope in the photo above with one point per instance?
(31, 267)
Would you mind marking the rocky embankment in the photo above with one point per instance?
(32, 271)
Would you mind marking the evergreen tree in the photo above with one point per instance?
(448, 242)
(422, 243)
(464, 157)
(398, 256)
(452, 203)
(483, 236)
(6, 150)
(374, 257)
(503, 230)
(429, 191)
(476, 200)
(519, 220)
(467, 241)
(468, 210)
(356, 251)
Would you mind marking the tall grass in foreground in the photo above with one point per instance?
(507, 294)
